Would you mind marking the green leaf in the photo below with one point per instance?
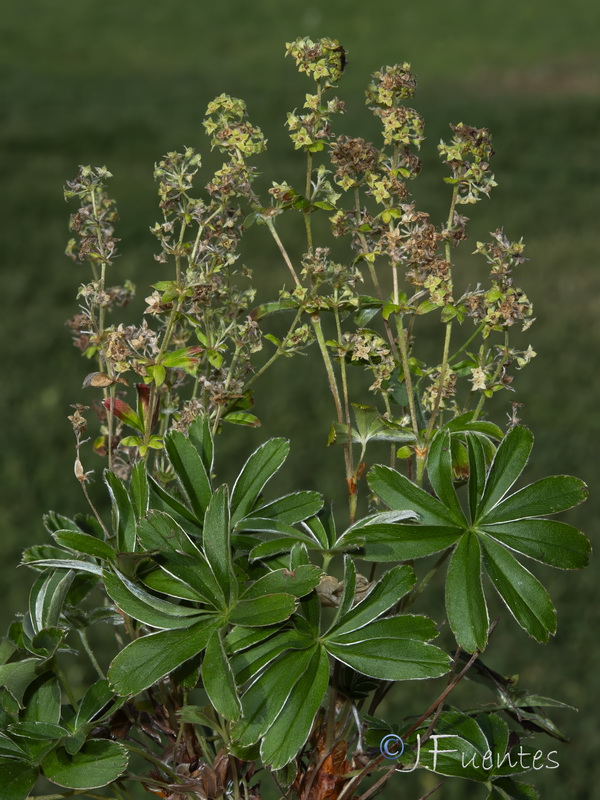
(465, 745)
(217, 545)
(398, 492)
(524, 595)
(265, 610)
(7, 648)
(381, 597)
(242, 418)
(465, 601)
(273, 547)
(47, 598)
(46, 642)
(266, 696)
(42, 700)
(291, 508)
(17, 779)
(160, 581)
(509, 462)
(10, 749)
(183, 357)
(97, 697)
(139, 490)
(39, 731)
(97, 764)
(248, 663)
(143, 606)
(441, 476)
(322, 528)
(477, 473)
(191, 473)
(196, 574)
(296, 582)
(397, 542)
(195, 715)
(464, 423)
(259, 468)
(495, 731)
(406, 626)
(84, 543)
(551, 542)
(547, 496)
(348, 594)
(270, 308)
(161, 500)
(159, 531)
(18, 675)
(67, 563)
(386, 651)
(239, 639)
(41, 552)
(123, 512)
(258, 525)
(201, 437)
(147, 660)
(291, 729)
(218, 680)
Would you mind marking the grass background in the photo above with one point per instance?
(121, 83)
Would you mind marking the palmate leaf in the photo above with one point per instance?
(499, 523)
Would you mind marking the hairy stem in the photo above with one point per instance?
(282, 250)
(90, 653)
(316, 323)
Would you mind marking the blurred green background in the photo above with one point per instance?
(121, 83)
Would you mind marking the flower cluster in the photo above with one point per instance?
(370, 350)
(313, 128)
(354, 159)
(503, 304)
(324, 61)
(402, 126)
(321, 270)
(468, 156)
(94, 220)
(230, 130)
